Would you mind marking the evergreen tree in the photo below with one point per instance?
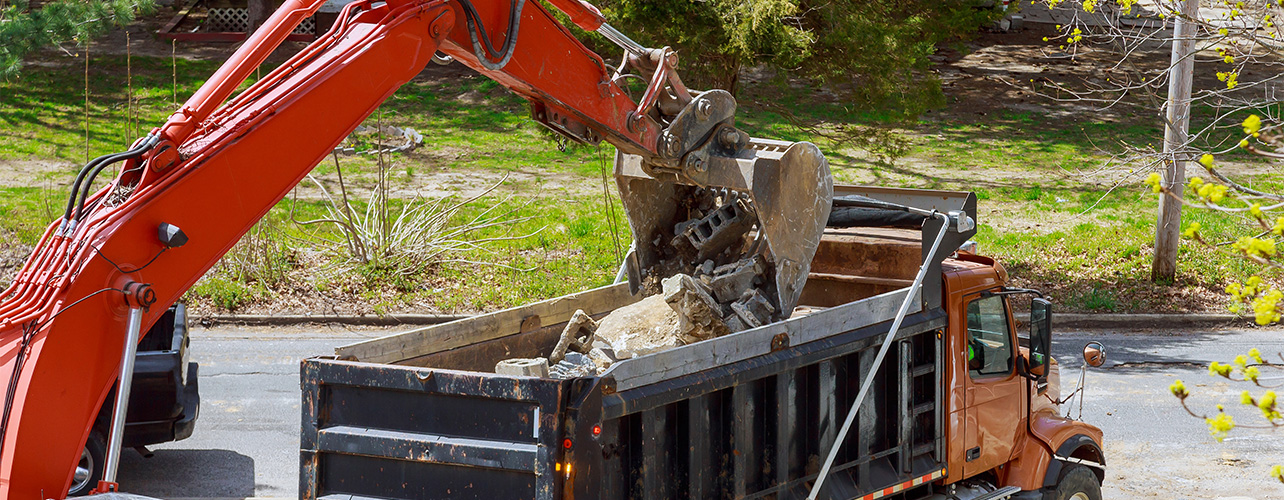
(879, 48)
(24, 30)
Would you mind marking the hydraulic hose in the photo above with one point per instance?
(882, 352)
(482, 48)
(80, 177)
(85, 179)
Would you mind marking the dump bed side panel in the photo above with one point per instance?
(755, 428)
(387, 431)
(761, 428)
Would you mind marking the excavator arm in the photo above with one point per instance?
(184, 195)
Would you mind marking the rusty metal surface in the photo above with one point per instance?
(395, 431)
(790, 190)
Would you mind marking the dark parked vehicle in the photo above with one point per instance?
(163, 399)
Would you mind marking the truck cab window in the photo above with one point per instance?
(988, 338)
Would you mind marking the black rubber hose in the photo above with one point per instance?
(856, 200)
(75, 187)
(483, 49)
(146, 145)
(475, 23)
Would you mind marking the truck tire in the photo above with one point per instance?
(1076, 483)
(89, 470)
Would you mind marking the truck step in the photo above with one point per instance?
(999, 494)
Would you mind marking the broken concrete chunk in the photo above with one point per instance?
(719, 229)
(700, 316)
(734, 323)
(603, 357)
(642, 328)
(732, 280)
(523, 367)
(753, 308)
(577, 336)
(575, 365)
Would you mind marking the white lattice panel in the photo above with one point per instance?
(227, 20)
(237, 20)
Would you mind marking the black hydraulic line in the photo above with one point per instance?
(483, 49)
(80, 177)
(856, 200)
(873, 217)
(147, 144)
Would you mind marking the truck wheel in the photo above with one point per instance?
(1077, 483)
(89, 470)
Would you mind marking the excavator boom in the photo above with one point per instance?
(187, 192)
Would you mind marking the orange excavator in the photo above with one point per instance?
(185, 193)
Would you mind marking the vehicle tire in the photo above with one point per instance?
(1077, 483)
(89, 470)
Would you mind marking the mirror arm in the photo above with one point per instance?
(1011, 291)
(1023, 369)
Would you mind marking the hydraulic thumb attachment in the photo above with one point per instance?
(715, 198)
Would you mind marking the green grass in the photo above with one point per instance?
(25, 212)
(43, 111)
(1086, 242)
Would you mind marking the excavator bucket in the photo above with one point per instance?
(766, 206)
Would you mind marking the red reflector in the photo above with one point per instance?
(597, 430)
(566, 443)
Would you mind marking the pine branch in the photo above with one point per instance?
(23, 31)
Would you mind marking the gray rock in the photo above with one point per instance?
(575, 365)
(523, 367)
(732, 280)
(753, 308)
(699, 315)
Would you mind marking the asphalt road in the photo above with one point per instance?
(1153, 448)
(246, 440)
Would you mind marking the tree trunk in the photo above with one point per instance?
(1180, 71)
(259, 10)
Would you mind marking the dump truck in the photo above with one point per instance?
(748, 406)
(963, 407)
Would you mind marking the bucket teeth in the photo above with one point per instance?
(773, 200)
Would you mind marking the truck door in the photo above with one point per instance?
(993, 389)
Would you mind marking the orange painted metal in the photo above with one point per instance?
(995, 405)
(897, 488)
(1025, 430)
(219, 168)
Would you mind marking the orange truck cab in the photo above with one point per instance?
(1004, 424)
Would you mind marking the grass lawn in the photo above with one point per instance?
(1047, 210)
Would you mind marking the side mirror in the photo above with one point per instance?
(1094, 354)
(1040, 336)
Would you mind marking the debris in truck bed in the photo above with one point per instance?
(642, 328)
(574, 365)
(577, 336)
(699, 315)
(716, 301)
(523, 367)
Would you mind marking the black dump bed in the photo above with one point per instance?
(752, 414)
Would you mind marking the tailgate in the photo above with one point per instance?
(387, 431)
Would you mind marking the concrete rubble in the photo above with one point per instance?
(523, 367)
(574, 365)
(711, 301)
(716, 301)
